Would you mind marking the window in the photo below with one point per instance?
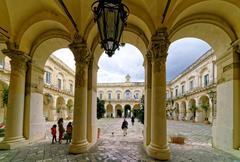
(183, 89)
(206, 80)
(100, 96)
(109, 96)
(136, 96)
(191, 85)
(71, 87)
(176, 92)
(127, 94)
(118, 96)
(59, 84)
(48, 77)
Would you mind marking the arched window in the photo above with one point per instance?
(127, 94)
(48, 75)
(136, 94)
(60, 81)
(109, 95)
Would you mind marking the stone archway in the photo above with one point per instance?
(109, 111)
(204, 105)
(191, 110)
(118, 111)
(191, 18)
(61, 108)
(135, 110)
(70, 108)
(127, 111)
(47, 106)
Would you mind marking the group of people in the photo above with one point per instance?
(125, 125)
(61, 130)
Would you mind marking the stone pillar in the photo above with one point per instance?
(15, 112)
(158, 147)
(226, 127)
(79, 138)
(147, 99)
(53, 110)
(199, 112)
(92, 102)
(34, 121)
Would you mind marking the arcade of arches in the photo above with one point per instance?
(30, 33)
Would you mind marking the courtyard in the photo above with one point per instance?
(113, 146)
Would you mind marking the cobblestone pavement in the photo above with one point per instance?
(113, 146)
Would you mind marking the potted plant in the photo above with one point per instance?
(205, 107)
(193, 108)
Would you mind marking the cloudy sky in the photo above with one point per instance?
(129, 60)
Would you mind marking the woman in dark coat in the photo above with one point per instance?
(60, 129)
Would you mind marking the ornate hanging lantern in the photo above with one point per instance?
(111, 16)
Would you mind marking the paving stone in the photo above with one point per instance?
(117, 148)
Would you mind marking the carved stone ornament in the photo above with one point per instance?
(80, 50)
(81, 75)
(149, 56)
(18, 60)
(159, 47)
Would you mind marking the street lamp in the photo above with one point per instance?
(111, 16)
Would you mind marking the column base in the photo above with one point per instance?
(78, 148)
(159, 153)
(12, 143)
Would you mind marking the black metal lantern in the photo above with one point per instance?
(111, 16)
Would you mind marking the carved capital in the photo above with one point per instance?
(158, 48)
(159, 45)
(80, 50)
(18, 60)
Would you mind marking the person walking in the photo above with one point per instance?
(124, 127)
(133, 120)
(54, 133)
(69, 132)
(60, 129)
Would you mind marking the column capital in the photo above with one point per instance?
(159, 44)
(18, 60)
(16, 55)
(80, 50)
(149, 55)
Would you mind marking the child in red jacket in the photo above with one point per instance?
(54, 133)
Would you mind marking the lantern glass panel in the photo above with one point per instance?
(101, 25)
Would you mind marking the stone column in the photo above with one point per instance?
(158, 147)
(15, 112)
(92, 102)
(147, 99)
(34, 121)
(79, 138)
(226, 127)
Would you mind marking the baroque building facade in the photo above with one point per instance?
(194, 89)
(58, 88)
(121, 99)
(32, 32)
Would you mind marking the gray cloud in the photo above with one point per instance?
(129, 60)
(183, 53)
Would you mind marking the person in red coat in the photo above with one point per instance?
(54, 133)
